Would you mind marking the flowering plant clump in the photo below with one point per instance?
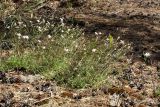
(59, 52)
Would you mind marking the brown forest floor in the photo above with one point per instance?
(134, 21)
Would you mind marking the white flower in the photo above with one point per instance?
(51, 3)
(75, 68)
(96, 33)
(122, 42)
(76, 46)
(19, 34)
(49, 36)
(62, 36)
(43, 47)
(66, 50)
(118, 38)
(100, 33)
(93, 50)
(129, 47)
(20, 23)
(147, 54)
(129, 60)
(69, 30)
(62, 21)
(52, 25)
(38, 21)
(39, 41)
(39, 28)
(25, 37)
(8, 27)
(24, 25)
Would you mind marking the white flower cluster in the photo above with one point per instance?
(49, 36)
(94, 50)
(122, 42)
(98, 33)
(147, 54)
(23, 37)
(66, 49)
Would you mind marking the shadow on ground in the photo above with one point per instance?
(134, 21)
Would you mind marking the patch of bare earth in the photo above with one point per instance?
(135, 87)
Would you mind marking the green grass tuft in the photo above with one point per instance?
(60, 53)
